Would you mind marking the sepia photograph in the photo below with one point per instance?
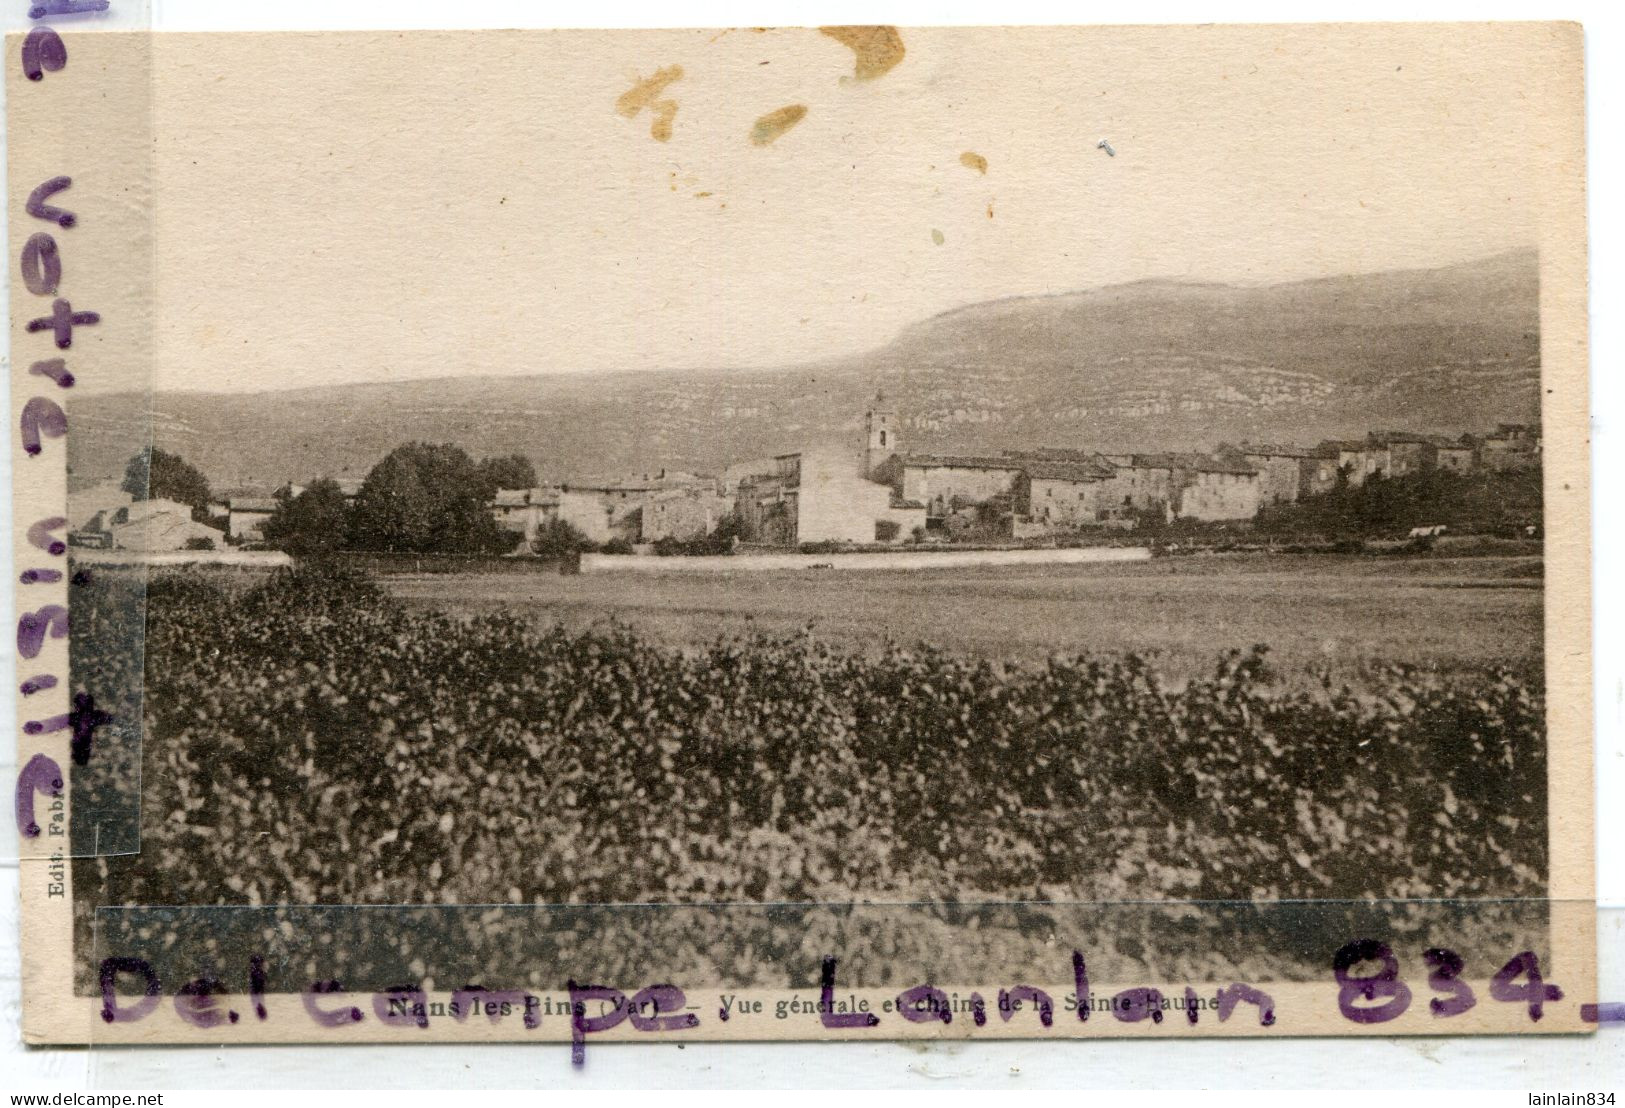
(922, 514)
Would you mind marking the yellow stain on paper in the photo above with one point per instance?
(877, 50)
(973, 161)
(646, 94)
(775, 123)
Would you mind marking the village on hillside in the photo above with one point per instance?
(873, 493)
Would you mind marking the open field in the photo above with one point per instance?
(1311, 609)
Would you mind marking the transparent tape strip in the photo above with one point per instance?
(78, 84)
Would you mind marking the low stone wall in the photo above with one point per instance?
(389, 562)
(900, 560)
(245, 559)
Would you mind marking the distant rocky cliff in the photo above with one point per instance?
(1151, 365)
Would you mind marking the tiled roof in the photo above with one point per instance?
(1275, 450)
(518, 498)
(641, 482)
(686, 492)
(760, 480)
(962, 461)
(1046, 470)
(146, 509)
(1201, 463)
(611, 484)
(1056, 454)
(253, 504)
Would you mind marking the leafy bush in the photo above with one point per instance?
(558, 537)
(1488, 502)
(722, 540)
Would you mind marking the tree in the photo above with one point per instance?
(155, 474)
(425, 499)
(512, 471)
(317, 521)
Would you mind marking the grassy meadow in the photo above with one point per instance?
(1343, 613)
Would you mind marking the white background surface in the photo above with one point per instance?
(1571, 1064)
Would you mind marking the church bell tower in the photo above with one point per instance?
(881, 423)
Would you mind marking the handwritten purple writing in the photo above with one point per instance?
(40, 775)
(42, 419)
(42, 267)
(39, 535)
(37, 206)
(43, 52)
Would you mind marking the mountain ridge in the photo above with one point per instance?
(1152, 365)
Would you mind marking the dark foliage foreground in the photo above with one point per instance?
(309, 742)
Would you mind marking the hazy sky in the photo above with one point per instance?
(374, 206)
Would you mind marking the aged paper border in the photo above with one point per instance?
(46, 127)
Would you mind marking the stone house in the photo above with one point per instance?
(147, 526)
(683, 514)
(947, 482)
(514, 510)
(739, 472)
(821, 495)
(246, 516)
(526, 512)
(1511, 446)
(1065, 494)
(1354, 459)
(1216, 489)
(1319, 473)
(622, 501)
(1144, 483)
(90, 508)
(1458, 456)
(1401, 453)
(768, 507)
(1285, 472)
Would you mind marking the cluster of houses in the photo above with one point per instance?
(107, 517)
(879, 493)
(882, 494)
(644, 508)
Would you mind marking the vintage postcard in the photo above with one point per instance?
(794, 533)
